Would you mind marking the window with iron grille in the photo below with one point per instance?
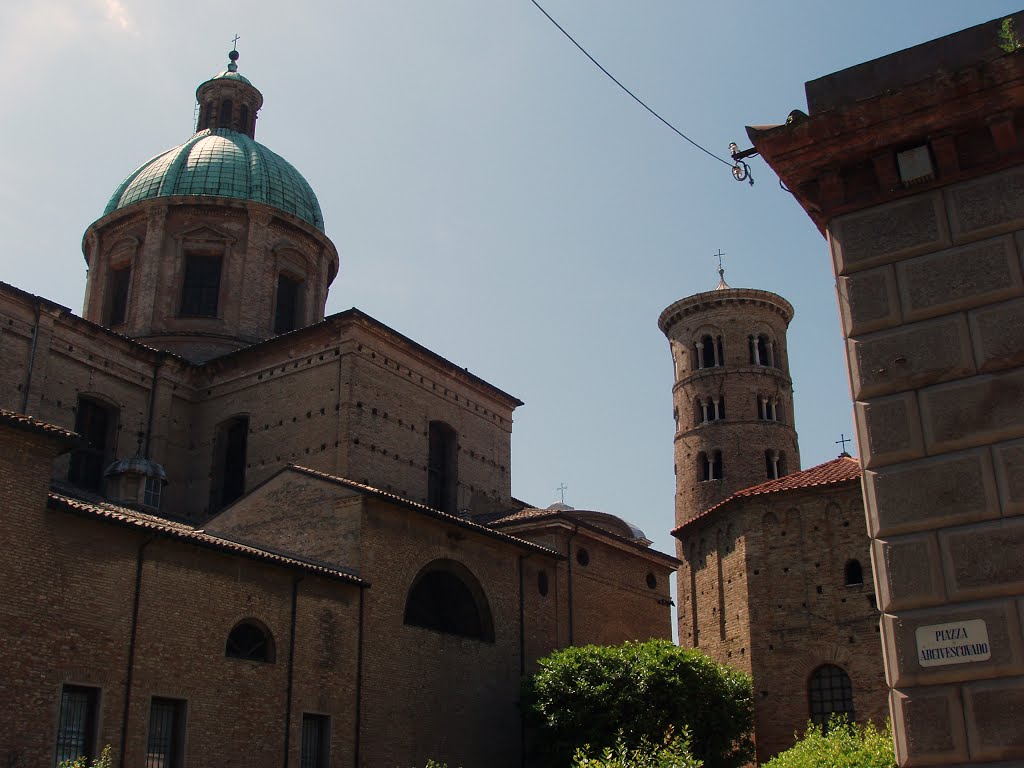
(830, 692)
(316, 734)
(164, 745)
(201, 288)
(76, 728)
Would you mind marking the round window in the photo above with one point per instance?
(582, 556)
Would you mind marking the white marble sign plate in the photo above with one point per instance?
(958, 642)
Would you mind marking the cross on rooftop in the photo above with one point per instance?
(562, 489)
(719, 255)
(234, 43)
(843, 440)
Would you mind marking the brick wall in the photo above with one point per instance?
(775, 565)
(67, 619)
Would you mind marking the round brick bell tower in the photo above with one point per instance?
(732, 397)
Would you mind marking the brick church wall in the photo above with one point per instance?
(84, 572)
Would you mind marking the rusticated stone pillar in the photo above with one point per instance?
(928, 262)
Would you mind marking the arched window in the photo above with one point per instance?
(720, 350)
(720, 408)
(709, 467)
(442, 467)
(853, 574)
(225, 114)
(250, 640)
(243, 118)
(708, 350)
(446, 597)
(829, 692)
(207, 121)
(96, 422)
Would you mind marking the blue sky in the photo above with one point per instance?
(492, 194)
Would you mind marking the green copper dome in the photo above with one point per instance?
(221, 163)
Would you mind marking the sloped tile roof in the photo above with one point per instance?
(840, 470)
(185, 532)
(32, 424)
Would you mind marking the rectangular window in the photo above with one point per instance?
(164, 745)
(152, 492)
(97, 424)
(286, 313)
(117, 301)
(76, 727)
(201, 288)
(316, 733)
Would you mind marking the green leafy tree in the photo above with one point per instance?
(672, 752)
(841, 745)
(637, 692)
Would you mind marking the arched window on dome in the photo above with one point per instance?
(445, 597)
(206, 118)
(829, 692)
(243, 119)
(288, 303)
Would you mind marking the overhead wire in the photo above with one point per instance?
(636, 98)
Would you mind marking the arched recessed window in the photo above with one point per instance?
(288, 304)
(442, 467)
(853, 574)
(446, 597)
(582, 557)
(542, 583)
(250, 640)
(829, 692)
(243, 118)
(710, 465)
(708, 349)
(207, 120)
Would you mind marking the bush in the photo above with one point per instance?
(103, 761)
(841, 745)
(637, 692)
(672, 752)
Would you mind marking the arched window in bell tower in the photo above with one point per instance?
(243, 118)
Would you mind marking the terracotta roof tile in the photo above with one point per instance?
(840, 470)
(32, 424)
(183, 531)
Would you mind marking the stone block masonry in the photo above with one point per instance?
(929, 276)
